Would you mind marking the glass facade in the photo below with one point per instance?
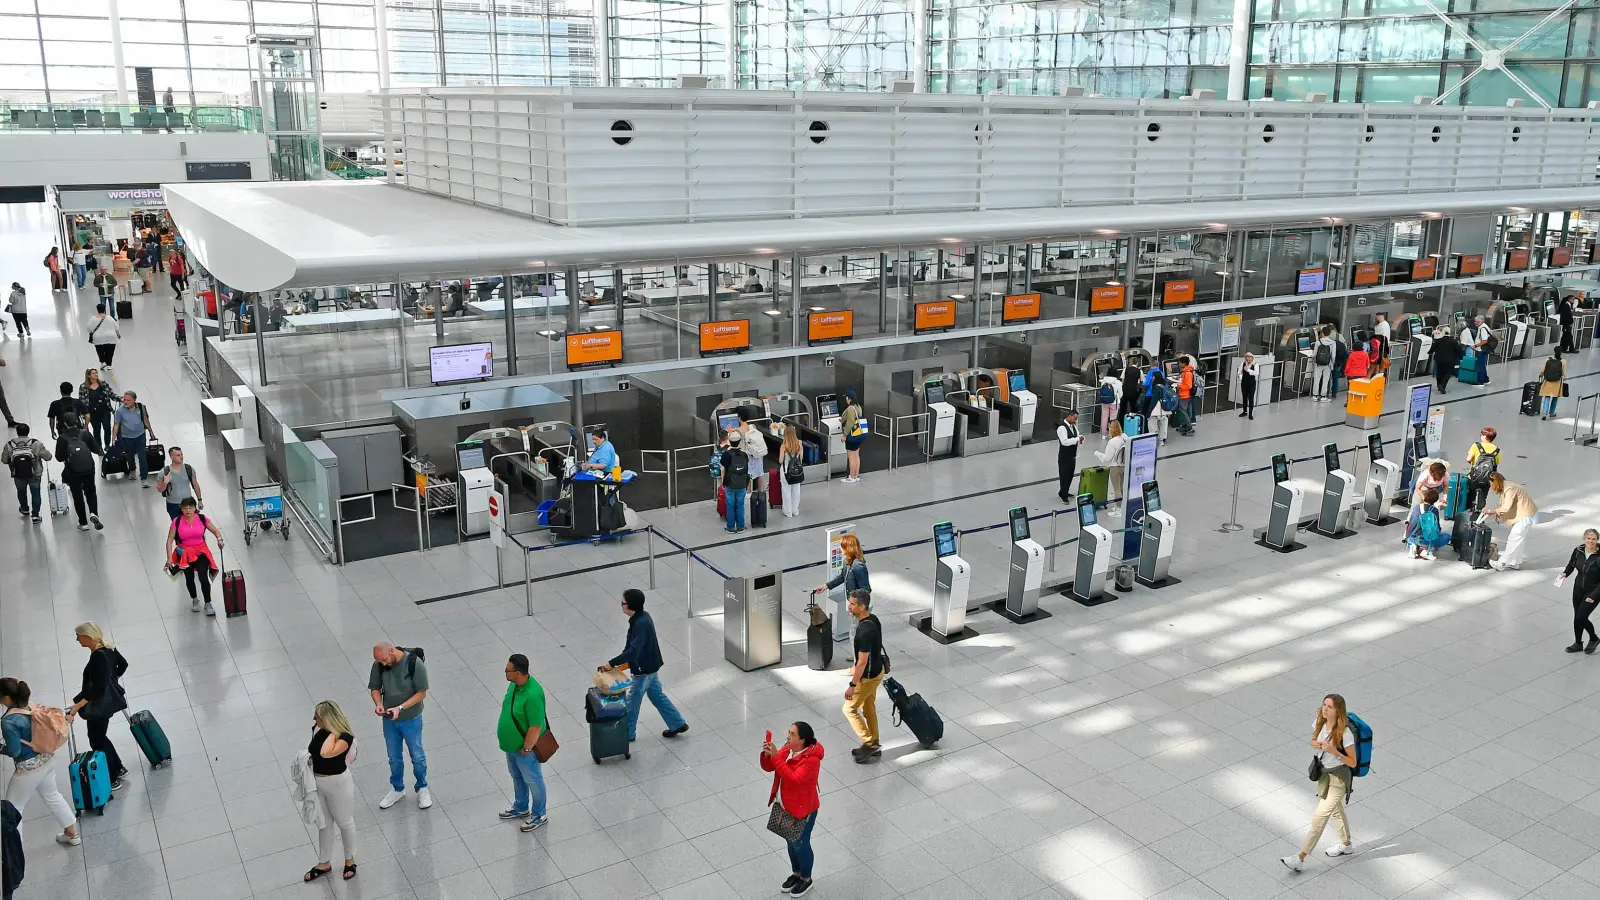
(831, 45)
(655, 41)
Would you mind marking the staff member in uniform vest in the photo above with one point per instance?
(1068, 436)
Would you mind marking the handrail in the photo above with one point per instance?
(1233, 525)
(688, 574)
(666, 469)
(334, 554)
(1590, 437)
(528, 550)
(677, 470)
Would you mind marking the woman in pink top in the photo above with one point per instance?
(187, 552)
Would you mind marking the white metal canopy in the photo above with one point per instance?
(260, 236)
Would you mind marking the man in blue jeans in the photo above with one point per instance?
(399, 682)
(130, 428)
(735, 479)
(522, 720)
(641, 656)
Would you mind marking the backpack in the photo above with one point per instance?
(1169, 399)
(1552, 369)
(22, 458)
(715, 465)
(79, 459)
(50, 728)
(187, 470)
(1490, 344)
(1363, 733)
(412, 655)
(1342, 353)
(1428, 526)
(1198, 385)
(1324, 354)
(1105, 395)
(1484, 466)
(794, 470)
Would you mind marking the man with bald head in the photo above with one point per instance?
(399, 682)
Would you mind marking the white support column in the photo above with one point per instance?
(602, 57)
(919, 45)
(380, 10)
(1239, 51)
(116, 53)
(731, 45)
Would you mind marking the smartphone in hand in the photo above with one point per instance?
(769, 737)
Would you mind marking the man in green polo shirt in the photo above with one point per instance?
(522, 719)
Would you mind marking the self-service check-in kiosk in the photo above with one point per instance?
(1383, 480)
(474, 483)
(1158, 534)
(1027, 572)
(1339, 499)
(939, 432)
(952, 579)
(1094, 556)
(1421, 344)
(1283, 521)
(830, 422)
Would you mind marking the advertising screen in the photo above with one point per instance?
(1177, 293)
(1560, 256)
(594, 348)
(822, 327)
(1020, 308)
(1517, 261)
(1109, 298)
(460, 362)
(1471, 264)
(934, 315)
(1368, 273)
(1311, 281)
(1280, 468)
(944, 539)
(730, 336)
(1423, 269)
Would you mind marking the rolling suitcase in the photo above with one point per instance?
(1476, 545)
(180, 331)
(722, 501)
(774, 489)
(90, 779)
(233, 592)
(124, 309)
(116, 464)
(1133, 424)
(758, 509)
(599, 707)
(60, 498)
(1456, 491)
(819, 637)
(150, 738)
(1530, 398)
(915, 713)
(155, 456)
(609, 737)
(1096, 481)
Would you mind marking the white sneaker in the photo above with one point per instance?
(424, 798)
(70, 841)
(1428, 554)
(1292, 862)
(210, 611)
(390, 799)
(1340, 850)
(194, 604)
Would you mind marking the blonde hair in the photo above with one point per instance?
(1115, 430)
(92, 631)
(330, 718)
(851, 547)
(1335, 728)
(791, 441)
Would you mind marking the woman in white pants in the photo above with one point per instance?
(792, 450)
(36, 772)
(1517, 510)
(333, 749)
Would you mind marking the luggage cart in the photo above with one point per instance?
(263, 507)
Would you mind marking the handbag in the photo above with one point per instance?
(785, 824)
(547, 745)
(1314, 771)
(1566, 389)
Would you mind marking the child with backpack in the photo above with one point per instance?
(1425, 533)
(1344, 751)
(35, 737)
(1483, 460)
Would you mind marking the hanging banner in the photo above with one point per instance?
(1020, 308)
(1231, 323)
(1368, 274)
(1141, 468)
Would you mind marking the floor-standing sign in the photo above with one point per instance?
(838, 601)
(1416, 414)
(1436, 428)
(1141, 468)
(497, 515)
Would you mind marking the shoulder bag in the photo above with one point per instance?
(785, 824)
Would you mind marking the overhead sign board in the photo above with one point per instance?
(935, 315)
(1368, 274)
(1020, 308)
(1108, 298)
(594, 348)
(1177, 293)
(729, 336)
(828, 327)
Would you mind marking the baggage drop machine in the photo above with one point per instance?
(1420, 337)
(997, 422)
(1340, 501)
(1283, 520)
(1088, 585)
(1158, 534)
(1017, 399)
(1383, 482)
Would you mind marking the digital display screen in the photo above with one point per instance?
(1152, 497)
(829, 408)
(1017, 381)
(1359, 336)
(934, 391)
(1550, 309)
(1461, 319)
(1302, 342)
(1310, 281)
(1419, 439)
(726, 421)
(1019, 523)
(944, 540)
(460, 362)
(469, 457)
(1330, 456)
(1280, 468)
(1374, 447)
(1086, 511)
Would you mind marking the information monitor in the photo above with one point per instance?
(1019, 523)
(1086, 511)
(1017, 381)
(1374, 447)
(1280, 468)
(726, 421)
(944, 539)
(1152, 497)
(1330, 456)
(470, 455)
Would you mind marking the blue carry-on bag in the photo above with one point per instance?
(91, 780)
(1363, 735)
(1455, 497)
(1133, 425)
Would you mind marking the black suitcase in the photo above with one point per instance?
(915, 713)
(1476, 546)
(1530, 398)
(609, 737)
(116, 464)
(819, 644)
(155, 456)
(758, 509)
(124, 309)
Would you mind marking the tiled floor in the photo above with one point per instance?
(1152, 747)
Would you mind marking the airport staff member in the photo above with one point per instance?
(1567, 316)
(1069, 437)
(603, 458)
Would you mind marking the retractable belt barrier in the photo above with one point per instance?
(1233, 525)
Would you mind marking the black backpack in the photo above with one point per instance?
(1552, 369)
(79, 459)
(794, 470)
(1324, 354)
(22, 458)
(1490, 344)
(412, 655)
(1484, 466)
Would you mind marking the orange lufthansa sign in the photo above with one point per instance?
(1109, 298)
(1020, 308)
(1517, 261)
(1560, 256)
(594, 348)
(728, 336)
(1176, 293)
(830, 326)
(935, 314)
(1471, 264)
(1368, 273)
(1423, 269)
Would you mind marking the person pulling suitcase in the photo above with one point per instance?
(871, 664)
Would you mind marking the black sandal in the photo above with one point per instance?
(316, 873)
(349, 871)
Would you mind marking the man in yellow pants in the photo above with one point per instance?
(861, 697)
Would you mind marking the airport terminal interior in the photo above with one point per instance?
(1126, 371)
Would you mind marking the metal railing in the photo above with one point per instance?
(666, 469)
(74, 117)
(688, 575)
(341, 521)
(1233, 525)
(528, 550)
(331, 548)
(889, 428)
(1591, 436)
(675, 477)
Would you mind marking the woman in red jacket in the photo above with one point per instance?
(795, 767)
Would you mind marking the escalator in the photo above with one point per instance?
(342, 167)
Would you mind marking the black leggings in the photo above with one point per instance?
(1247, 394)
(99, 741)
(1581, 611)
(100, 425)
(199, 569)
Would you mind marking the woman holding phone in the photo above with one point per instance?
(795, 767)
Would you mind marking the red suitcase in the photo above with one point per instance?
(774, 489)
(722, 501)
(233, 594)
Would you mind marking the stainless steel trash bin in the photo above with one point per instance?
(752, 620)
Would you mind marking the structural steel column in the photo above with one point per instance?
(602, 48)
(381, 20)
(731, 46)
(506, 294)
(261, 338)
(116, 52)
(1239, 51)
(919, 43)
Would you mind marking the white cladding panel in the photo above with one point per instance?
(598, 156)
